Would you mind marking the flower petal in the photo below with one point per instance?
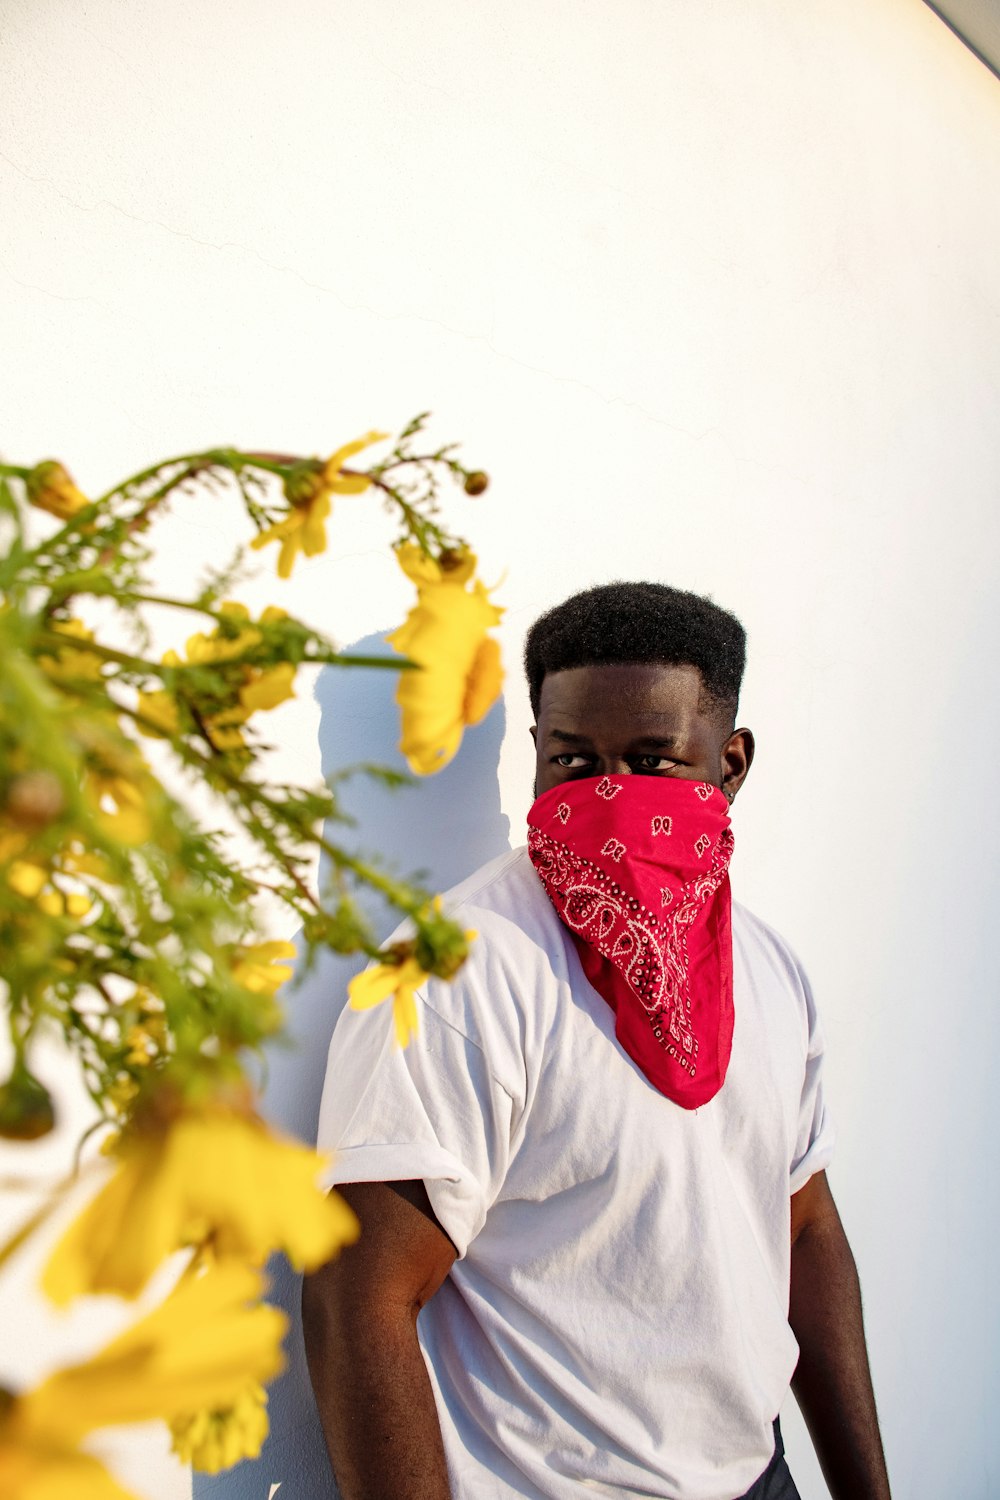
(273, 686)
(484, 682)
(404, 1016)
(336, 461)
(289, 551)
(444, 634)
(199, 1347)
(36, 1469)
(212, 1177)
(373, 986)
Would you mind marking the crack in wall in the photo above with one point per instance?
(608, 398)
(32, 286)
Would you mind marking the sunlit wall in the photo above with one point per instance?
(711, 288)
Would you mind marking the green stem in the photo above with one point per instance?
(253, 796)
(420, 458)
(247, 794)
(57, 640)
(420, 527)
(273, 463)
(132, 597)
(233, 459)
(150, 473)
(391, 663)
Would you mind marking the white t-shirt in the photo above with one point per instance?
(617, 1320)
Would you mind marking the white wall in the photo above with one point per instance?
(711, 289)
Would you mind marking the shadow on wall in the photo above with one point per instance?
(446, 826)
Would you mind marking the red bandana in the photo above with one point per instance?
(636, 867)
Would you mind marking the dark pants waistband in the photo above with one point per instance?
(776, 1483)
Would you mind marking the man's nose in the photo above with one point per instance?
(611, 765)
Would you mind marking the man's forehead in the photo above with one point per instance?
(647, 691)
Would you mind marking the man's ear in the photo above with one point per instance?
(534, 733)
(737, 756)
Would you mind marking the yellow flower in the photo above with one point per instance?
(56, 903)
(256, 966)
(51, 488)
(141, 1046)
(303, 529)
(70, 661)
(204, 1349)
(26, 878)
(211, 1178)
(34, 879)
(214, 1440)
(161, 709)
(258, 688)
(77, 860)
(12, 841)
(458, 676)
(117, 781)
(121, 1093)
(31, 879)
(120, 806)
(398, 980)
(199, 1349)
(224, 729)
(268, 687)
(219, 647)
(41, 1469)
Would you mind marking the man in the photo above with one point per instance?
(598, 1174)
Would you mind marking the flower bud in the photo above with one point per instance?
(34, 799)
(26, 1109)
(303, 484)
(51, 488)
(476, 482)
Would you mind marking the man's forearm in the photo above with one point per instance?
(832, 1383)
(359, 1320)
(375, 1402)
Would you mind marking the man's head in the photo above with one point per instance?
(638, 678)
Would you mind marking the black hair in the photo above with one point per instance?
(619, 624)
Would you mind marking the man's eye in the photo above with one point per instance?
(653, 763)
(570, 761)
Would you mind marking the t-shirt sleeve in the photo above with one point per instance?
(815, 1138)
(432, 1111)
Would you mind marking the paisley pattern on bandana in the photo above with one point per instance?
(637, 869)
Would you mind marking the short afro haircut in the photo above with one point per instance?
(619, 624)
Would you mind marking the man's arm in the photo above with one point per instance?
(832, 1383)
(359, 1319)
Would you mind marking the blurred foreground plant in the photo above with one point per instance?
(131, 928)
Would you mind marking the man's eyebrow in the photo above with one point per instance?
(646, 742)
(657, 742)
(568, 739)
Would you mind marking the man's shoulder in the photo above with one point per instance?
(495, 874)
(502, 895)
(753, 930)
(767, 954)
(517, 961)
